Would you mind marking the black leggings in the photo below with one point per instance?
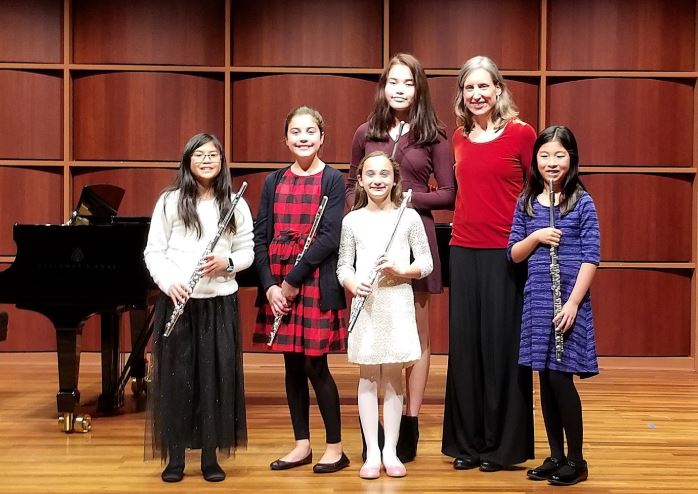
(562, 414)
(300, 368)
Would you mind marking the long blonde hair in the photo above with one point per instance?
(504, 108)
(360, 196)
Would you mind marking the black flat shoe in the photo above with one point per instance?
(490, 466)
(465, 463)
(343, 462)
(285, 465)
(173, 473)
(571, 473)
(213, 473)
(544, 471)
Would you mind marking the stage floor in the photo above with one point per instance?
(641, 436)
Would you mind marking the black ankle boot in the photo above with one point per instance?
(174, 471)
(381, 439)
(573, 472)
(408, 439)
(209, 466)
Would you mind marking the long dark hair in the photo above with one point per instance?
(572, 189)
(424, 125)
(188, 187)
(360, 196)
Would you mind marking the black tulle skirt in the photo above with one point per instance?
(196, 398)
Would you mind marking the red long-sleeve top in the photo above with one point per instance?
(490, 177)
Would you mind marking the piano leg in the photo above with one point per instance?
(68, 397)
(111, 398)
(139, 321)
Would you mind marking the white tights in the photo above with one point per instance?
(389, 378)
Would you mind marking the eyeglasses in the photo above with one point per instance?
(199, 156)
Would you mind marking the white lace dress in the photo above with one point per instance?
(386, 330)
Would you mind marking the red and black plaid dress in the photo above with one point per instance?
(306, 329)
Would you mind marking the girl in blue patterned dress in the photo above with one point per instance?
(576, 236)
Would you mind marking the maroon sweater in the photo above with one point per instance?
(490, 177)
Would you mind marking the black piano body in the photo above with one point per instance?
(69, 273)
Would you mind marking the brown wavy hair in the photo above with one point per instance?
(360, 196)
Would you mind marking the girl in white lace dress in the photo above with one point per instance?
(384, 338)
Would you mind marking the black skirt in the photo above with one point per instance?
(196, 398)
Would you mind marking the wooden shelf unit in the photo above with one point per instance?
(109, 91)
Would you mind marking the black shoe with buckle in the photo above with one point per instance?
(544, 471)
(571, 473)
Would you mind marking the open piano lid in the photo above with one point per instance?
(98, 204)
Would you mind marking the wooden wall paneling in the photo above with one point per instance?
(145, 116)
(255, 183)
(28, 195)
(641, 35)
(443, 91)
(445, 34)
(27, 330)
(168, 32)
(261, 103)
(643, 217)
(642, 312)
(142, 186)
(626, 122)
(31, 31)
(31, 115)
(313, 33)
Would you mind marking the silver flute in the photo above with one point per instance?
(359, 301)
(196, 275)
(555, 278)
(306, 246)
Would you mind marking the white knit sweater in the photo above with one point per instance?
(172, 253)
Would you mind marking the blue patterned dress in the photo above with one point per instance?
(579, 244)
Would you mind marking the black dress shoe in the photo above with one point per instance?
(213, 472)
(173, 473)
(343, 462)
(490, 466)
(544, 471)
(571, 473)
(285, 465)
(465, 463)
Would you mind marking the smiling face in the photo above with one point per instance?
(303, 136)
(480, 93)
(377, 178)
(400, 89)
(206, 163)
(553, 162)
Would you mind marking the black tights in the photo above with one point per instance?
(300, 368)
(562, 414)
(176, 457)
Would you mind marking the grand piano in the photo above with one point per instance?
(91, 265)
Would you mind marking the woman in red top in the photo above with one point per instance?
(488, 416)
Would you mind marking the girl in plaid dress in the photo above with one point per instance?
(306, 294)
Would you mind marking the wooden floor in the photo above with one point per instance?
(641, 437)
